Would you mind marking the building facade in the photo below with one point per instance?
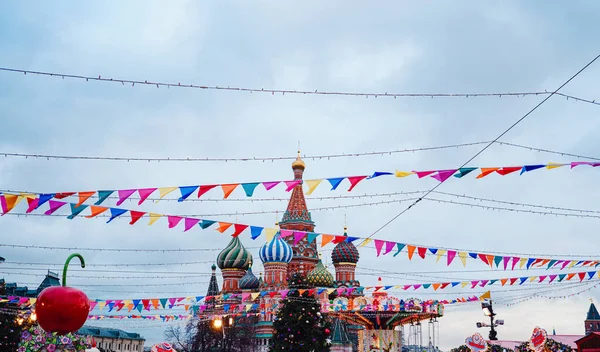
(114, 340)
(12, 289)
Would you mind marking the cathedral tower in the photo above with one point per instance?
(592, 321)
(297, 217)
(233, 261)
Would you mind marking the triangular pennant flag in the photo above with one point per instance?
(186, 191)
(204, 188)
(451, 255)
(463, 171)
(311, 236)
(366, 242)
(484, 258)
(290, 185)
(411, 251)
(505, 261)
(486, 171)
(135, 216)
(44, 197)
(528, 168)
(421, 174)
(173, 220)
(378, 246)
(63, 195)
(270, 185)
(463, 258)
(144, 193)
(508, 170)
(403, 173)
(54, 206)
(298, 236)
(285, 233)
(440, 253)
(389, 245)
(204, 224)
(354, 180)
(552, 165)
(223, 226)
(83, 196)
(76, 210)
(338, 239)
(249, 188)
(163, 191)
(497, 260)
(487, 295)
(380, 173)
(115, 213)
(490, 259)
(443, 175)
(325, 239)
(503, 281)
(335, 182)
(153, 218)
(238, 229)
(228, 188)
(96, 210)
(270, 233)
(189, 223)
(102, 196)
(124, 194)
(312, 185)
(530, 262)
(422, 251)
(32, 204)
(255, 231)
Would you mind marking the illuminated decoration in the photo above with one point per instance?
(379, 341)
(538, 339)
(476, 343)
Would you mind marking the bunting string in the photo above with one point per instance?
(382, 247)
(157, 84)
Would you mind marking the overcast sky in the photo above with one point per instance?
(432, 47)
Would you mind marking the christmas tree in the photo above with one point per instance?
(299, 325)
(11, 323)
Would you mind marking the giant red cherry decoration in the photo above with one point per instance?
(62, 309)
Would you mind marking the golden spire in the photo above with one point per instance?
(298, 163)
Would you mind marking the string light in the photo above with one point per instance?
(291, 91)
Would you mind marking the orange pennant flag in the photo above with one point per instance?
(301, 292)
(96, 210)
(155, 303)
(503, 281)
(228, 188)
(223, 226)
(486, 171)
(83, 196)
(11, 200)
(490, 259)
(411, 251)
(570, 276)
(435, 286)
(325, 239)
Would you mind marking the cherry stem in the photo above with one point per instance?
(64, 278)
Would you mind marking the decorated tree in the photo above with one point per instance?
(12, 323)
(299, 325)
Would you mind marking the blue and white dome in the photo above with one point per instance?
(276, 250)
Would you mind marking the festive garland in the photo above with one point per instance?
(37, 340)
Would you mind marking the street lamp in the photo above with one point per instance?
(488, 311)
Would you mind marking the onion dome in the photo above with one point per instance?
(320, 276)
(249, 281)
(276, 250)
(234, 256)
(298, 163)
(345, 252)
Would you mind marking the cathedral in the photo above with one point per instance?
(283, 257)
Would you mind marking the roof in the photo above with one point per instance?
(593, 313)
(109, 333)
(213, 287)
(339, 335)
(12, 289)
(593, 335)
(568, 340)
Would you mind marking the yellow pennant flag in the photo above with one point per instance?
(102, 304)
(153, 218)
(312, 185)
(270, 233)
(463, 258)
(522, 262)
(403, 173)
(163, 191)
(365, 242)
(254, 295)
(463, 284)
(28, 195)
(487, 295)
(532, 278)
(552, 165)
(440, 253)
(572, 264)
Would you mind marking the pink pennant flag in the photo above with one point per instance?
(283, 293)
(542, 278)
(354, 180)
(173, 220)
(298, 236)
(451, 255)
(443, 175)
(482, 283)
(577, 163)
(515, 260)
(271, 184)
(54, 206)
(378, 246)
(417, 286)
(124, 194)
(93, 305)
(505, 261)
(245, 296)
(189, 223)
(389, 245)
(341, 290)
(32, 204)
(290, 185)
(405, 287)
(422, 174)
(144, 194)
(285, 233)
(552, 277)
(565, 264)
(474, 283)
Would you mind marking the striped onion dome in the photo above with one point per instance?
(276, 250)
(249, 281)
(345, 252)
(234, 256)
(320, 276)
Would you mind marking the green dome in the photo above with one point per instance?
(320, 276)
(234, 256)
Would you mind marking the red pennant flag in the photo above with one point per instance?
(444, 285)
(581, 276)
(422, 251)
(339, 239)
(238, 229)
(135, 216)
(484, 258)
(508, 170)
(205, 188)
(63, 195)
(354, 180)
(513, 280)
(32, 204)
(83, 196)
